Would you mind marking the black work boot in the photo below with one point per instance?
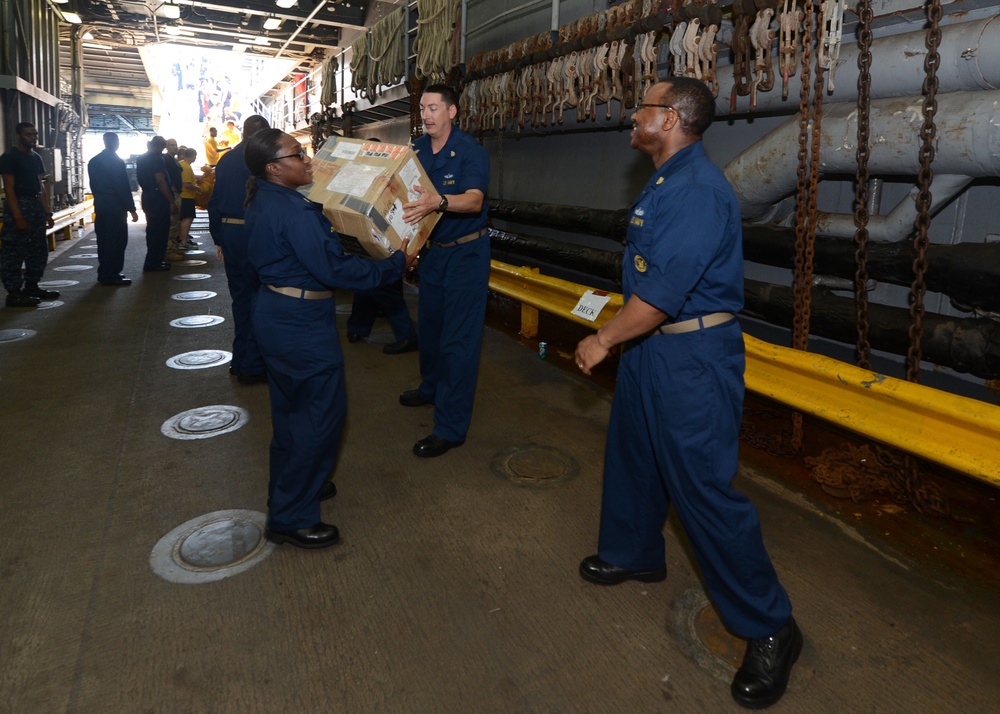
(19, 299)
(32, 290)
(767, 664)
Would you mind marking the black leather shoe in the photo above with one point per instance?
(412, 398)
(248, 379)
(318, 536)
(37, 292)
(156, 268)
(767, 664)
(434, 445)
(595, 570)
(353, 338)
(400, 346)
(120, 281)
(21, 300)
(328, 491)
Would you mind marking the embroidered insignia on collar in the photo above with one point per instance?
(639, 211)
(640, 263)
(453, 154)
(659, 181)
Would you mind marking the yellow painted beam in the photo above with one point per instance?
(960, 433)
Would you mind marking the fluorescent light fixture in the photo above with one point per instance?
(72, 17)
(285, 4)
(272, 23)
(95, 46)
(88, 35)
(239, 48)
(170, 11)
(172, 30)
(60, 2)
(261, 40)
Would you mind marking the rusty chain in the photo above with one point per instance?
(925, 177)
(861, 213)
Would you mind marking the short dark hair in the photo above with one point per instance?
(694, 104)
(448, 94)
(254, 123)
(21, 126)
(157, 144)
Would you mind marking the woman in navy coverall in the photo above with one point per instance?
(298, 258)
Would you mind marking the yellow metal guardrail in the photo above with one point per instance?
(960, 433)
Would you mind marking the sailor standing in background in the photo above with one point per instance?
(112, 201)
(225, 223)
(454, 273)
(157, 203)
(27, 213)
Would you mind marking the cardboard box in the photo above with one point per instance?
(363, 185)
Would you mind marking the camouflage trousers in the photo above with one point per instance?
(29, 248)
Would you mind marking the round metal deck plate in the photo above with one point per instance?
(344, 309)
(15, 335)
(58, 284)
(535, 465)
(708, 644)
(191, 263)
(83, 256)
(200, 359)
(211, 547)
(194, 251)
(192, 276)
(198, 321)
(72, 268)
(194, 295)
(49, 304)
(205, 422)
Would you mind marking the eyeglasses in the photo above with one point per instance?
(301, 154)
(659, 106)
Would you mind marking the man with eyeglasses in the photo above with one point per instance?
(26, 216)
(225, 224)
(673, 436)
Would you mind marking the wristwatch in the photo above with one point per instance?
(443, 206)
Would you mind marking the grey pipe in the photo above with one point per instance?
(898, 223)
(970, 59)
(968, 144)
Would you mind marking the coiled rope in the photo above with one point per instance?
(436, 24)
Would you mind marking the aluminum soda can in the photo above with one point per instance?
(543, 350)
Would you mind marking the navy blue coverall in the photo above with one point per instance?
(454, 280)
(673, 436)
(155, 206)
(112, 203)
(225, 224)
(292, 245)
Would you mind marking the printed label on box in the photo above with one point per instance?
(354, 179)
(409, 174)
(344, 150)
(395, 218)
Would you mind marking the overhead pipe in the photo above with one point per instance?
(319, 6)
(970, 60)
(968, 144)
(898, 223)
